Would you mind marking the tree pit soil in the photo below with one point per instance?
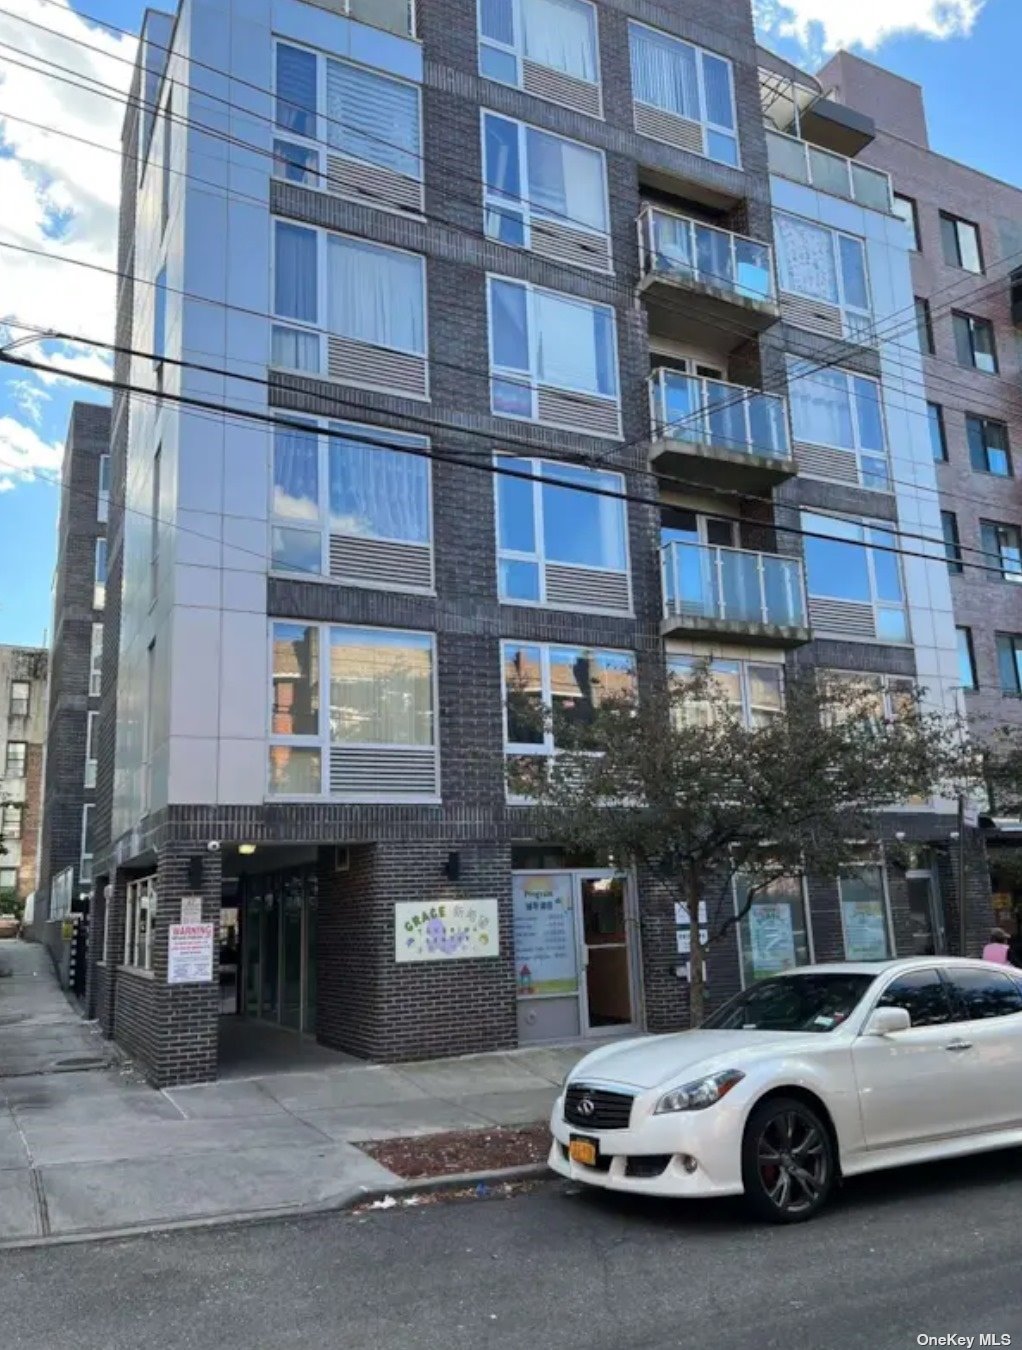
(443, 1155)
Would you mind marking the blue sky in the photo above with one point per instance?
(62, 197)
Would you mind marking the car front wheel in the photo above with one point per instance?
(787, 1161)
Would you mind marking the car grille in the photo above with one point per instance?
(647, 1165)
(611, 1110)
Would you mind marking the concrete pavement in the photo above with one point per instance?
(97, 1151)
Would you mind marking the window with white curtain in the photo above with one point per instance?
(329, 107)
(687, 82)
(559, 35)
(341, 686)
(545, 338)
(532, 175)
(840, 410)
(366, 292)
(823, 264)
(340, 480)
(554, 519)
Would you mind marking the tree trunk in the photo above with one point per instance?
(696, 954)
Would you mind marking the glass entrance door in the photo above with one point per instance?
(608, 980)
(925, 912)
(279, 938)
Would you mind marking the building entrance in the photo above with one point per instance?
(278, 933)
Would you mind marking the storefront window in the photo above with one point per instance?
(774, 934)
(864, 914)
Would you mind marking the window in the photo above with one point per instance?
(938, 439)
(168, 128)
(88, 847)
(1009, 663)
(905, 209)
(548, 526)
(517, 36)
(17, 752)
(840, 410)
(966, 659)
(980, 994)
(755, 689)
(96, 661)
(864, 920)
(774, 935)
(90, 749)
(960, 240)
(883, 697)
(923, 995)
(374, 296)
(924, 326)
(154, 525)
(1003, 546)
(988, 445)
(140, 916)
(160, 319)
(856, 561)
(99, 576)
(103, 493)
(535, 183)
(352, 712)
(690, 85)
(21, 694)
(149, 726)
(550, 692)
(974, 343)
(329, 489)
(952, 546)
(823, 264)
(8, 879)
(11, 817)
(544, 346)
(335, 118)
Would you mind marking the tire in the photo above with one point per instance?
(798, 1184)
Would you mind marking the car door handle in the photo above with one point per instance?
(958, 1045)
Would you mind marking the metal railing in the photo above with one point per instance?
(732, 585)
(711, 412)
(789, 157)
(676, 248)
(395, 16)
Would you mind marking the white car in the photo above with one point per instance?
(821, 1073)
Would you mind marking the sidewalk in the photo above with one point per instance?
(95, 1150)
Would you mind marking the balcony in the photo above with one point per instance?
(802, 162)
(709, 590)
(727, 278)
(394, 16)
(718, 434)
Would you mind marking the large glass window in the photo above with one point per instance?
(935, 422)
(88, 846)
(839, 409)
(543, 338)
(755, 689)
(1009, 663)
(857, 561)
(14, 766)
(140, 914)
(91, 722)
(864, 918)
(966, 659)
(687, 82)
(551, 691)
(532, 176)
(988, 445)
(905, 209)
(560, 35)
(1002, 545)
(20, 699)
(960, 241)
(822, 264)
(555, 519)
(924, 326)
(952, 544)
(774, 933)
(11, 820)
(355, 112)
(974, 343)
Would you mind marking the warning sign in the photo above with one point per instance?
(190, 954)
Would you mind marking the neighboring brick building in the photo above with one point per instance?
(303, 730)
(22, 736)
(75, 668)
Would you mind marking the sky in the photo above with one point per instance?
(60, 197)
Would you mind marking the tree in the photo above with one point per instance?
(679, 785)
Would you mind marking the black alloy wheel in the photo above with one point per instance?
(787, 1161)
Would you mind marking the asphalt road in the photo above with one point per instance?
(931, 1251)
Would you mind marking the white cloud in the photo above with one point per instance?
(25, 456)
(821, 26)
(29, 399)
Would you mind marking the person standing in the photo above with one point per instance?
(997, 948)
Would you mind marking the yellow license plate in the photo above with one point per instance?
(582, 1151)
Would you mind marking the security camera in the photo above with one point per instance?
(213, 846)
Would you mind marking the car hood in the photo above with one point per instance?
(654, 1061)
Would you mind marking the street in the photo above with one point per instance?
(930, 1251)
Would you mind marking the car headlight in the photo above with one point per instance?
(699, 1095)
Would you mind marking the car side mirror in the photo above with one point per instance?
(886, 1021)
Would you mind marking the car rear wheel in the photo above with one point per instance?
(787, 1161)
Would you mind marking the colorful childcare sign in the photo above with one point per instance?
(450, 930)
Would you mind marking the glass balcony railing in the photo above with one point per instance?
(395, 16)
(677, 249)
(732, 585)
(806, 163)
(710, 412)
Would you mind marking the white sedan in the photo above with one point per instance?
(821, 1073)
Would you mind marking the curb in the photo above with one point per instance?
(400, 1188)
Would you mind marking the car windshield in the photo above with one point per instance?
(817, 1002)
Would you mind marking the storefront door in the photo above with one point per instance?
(928, 938)
(279, 938)
(573, 958)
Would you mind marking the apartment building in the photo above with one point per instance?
(409, 245)
(22, 737)
(965, 242)
(76, 652)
